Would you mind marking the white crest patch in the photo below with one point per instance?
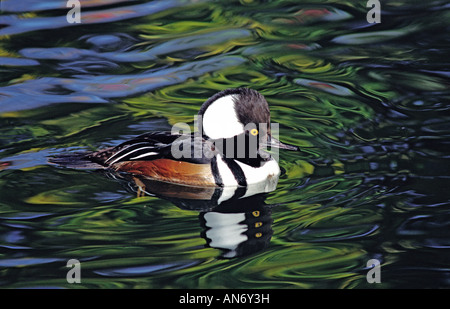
(220, 119)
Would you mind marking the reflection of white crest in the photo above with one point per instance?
(226, 231)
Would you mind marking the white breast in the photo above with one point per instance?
(260, 174)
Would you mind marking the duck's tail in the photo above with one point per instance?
(75, 160)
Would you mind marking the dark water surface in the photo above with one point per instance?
(367, 103)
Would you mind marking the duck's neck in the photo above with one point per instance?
(241, 148)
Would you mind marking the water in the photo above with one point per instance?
(367, 104)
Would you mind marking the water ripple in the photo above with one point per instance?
(366, 103)
(145, 270)
(98, 89)
(15, 24)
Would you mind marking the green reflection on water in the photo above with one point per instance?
(366, 104)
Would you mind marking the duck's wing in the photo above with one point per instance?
(145, 147)
(152, 146)
(148, 146)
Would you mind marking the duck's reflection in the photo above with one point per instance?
(235, 220)
(239, 227)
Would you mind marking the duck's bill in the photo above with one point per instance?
(273, 142)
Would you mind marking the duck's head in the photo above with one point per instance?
(237, 112)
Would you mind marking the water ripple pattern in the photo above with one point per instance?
(368, 104)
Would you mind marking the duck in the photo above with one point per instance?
(228, 149)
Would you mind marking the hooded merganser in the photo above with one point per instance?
(230, 116)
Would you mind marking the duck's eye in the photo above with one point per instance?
(254, 132)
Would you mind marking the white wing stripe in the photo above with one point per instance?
(128, 153)
(123, 149)
(144, 155)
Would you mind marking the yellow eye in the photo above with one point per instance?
(255, 213)
(254, 132)
(258, 235)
